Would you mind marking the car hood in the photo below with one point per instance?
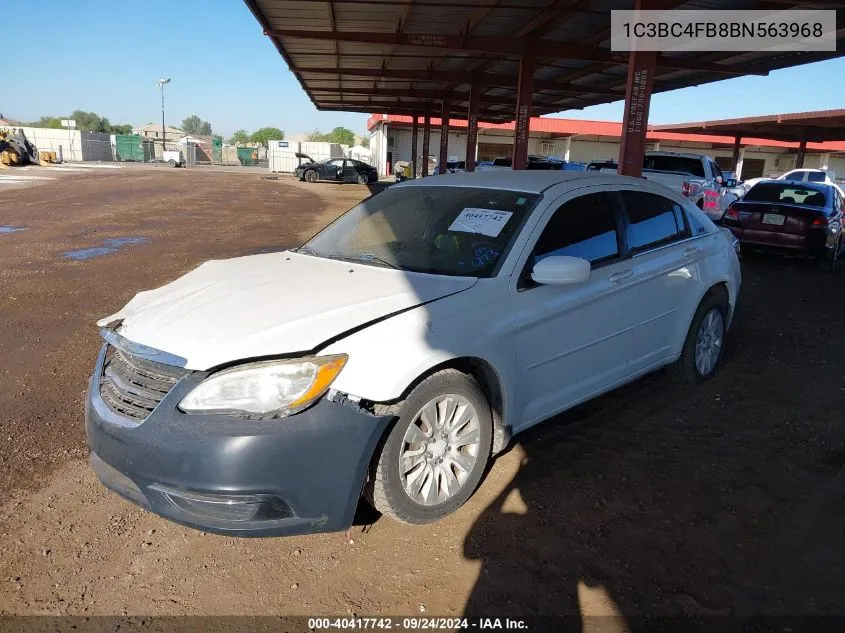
(270, 304)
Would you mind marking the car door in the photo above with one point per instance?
(350, 171)
(571, 340)
(665, 260)
(333, 170)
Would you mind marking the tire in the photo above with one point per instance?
(311, 176)
(828, 262)
(386, 488)
(363, 179)
(686, 370)
(171, 162)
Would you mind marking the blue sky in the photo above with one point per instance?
(106, 56)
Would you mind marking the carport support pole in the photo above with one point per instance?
(802, 149)
(472, 127)
(735, 157)
(638, 87)
(444, 138)
(524, 95)
(426, 143)
(415, 133)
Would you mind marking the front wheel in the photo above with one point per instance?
(311, 176)
(705, 342)
(436, 453)
(171, 162)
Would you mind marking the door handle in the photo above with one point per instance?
(620, 276)
(691, 250)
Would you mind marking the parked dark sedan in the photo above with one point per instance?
(791, 217)
(338, 170)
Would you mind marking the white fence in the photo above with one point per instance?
(282, 154)
(70, 141)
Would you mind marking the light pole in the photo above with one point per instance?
(160, 84)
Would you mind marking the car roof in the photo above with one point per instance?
(529, 181)
(680, 154)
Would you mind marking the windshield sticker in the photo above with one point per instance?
(484, 221)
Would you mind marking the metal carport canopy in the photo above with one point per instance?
(815, 127)
(401, 56)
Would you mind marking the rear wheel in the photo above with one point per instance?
(311, 176)
(705, 342)
(363, 179)
(830, 260)
(171, 162)
(435, 455)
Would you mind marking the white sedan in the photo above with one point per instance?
(401, 348)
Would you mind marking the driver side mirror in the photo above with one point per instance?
(561, 269)
(730, 182)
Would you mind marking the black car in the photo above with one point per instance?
(336, 169)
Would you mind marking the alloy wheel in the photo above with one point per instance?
(439, 450)
(708, 342)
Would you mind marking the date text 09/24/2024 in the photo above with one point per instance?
(415, 623)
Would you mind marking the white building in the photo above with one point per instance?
(585, 141)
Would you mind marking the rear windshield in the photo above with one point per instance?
(785, 194)
(691, 166)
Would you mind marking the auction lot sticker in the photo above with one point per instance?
(484, 221)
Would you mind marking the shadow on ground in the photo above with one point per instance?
(725, 499)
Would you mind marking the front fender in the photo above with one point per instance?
(389, 356)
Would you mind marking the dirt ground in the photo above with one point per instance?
(726, 499)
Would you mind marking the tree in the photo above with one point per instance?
(195, 125)
(266, 134)
(341, 135)
(90, 121)
(365, 141)
(240, 136)
(53, 122)
(85, 121)
(121, 129)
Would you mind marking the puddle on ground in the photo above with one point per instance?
(8, 228)
(111, 245)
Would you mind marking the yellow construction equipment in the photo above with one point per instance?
(16, 150)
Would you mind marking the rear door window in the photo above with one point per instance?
(653, 220)
(816, 176)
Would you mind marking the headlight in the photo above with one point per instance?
(266, 389)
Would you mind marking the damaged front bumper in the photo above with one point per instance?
(230, 475)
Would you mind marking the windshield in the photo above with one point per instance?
(683, 164)
(785, 194)
(432, 229)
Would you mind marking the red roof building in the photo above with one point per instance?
(584, 141)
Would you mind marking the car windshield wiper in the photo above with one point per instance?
(364, 259)
(307, 250)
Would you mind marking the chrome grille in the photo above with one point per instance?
(133, 387)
